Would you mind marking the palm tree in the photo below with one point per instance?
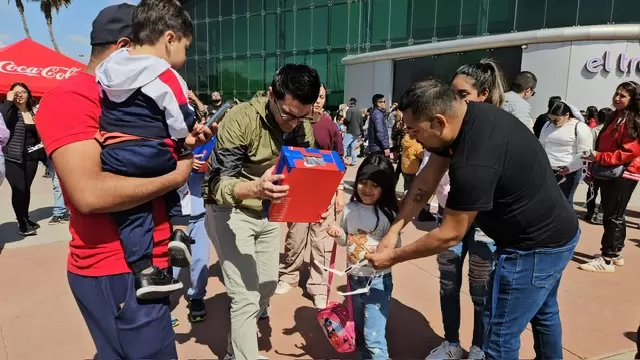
(20, 7)
(46, 6)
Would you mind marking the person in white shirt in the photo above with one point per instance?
(4, 139)
(564, 138)
(366, 219)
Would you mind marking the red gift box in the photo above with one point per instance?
(313, 177)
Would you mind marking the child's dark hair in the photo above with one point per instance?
(152, 18)
(378, 169)
(603, 115)
(488, 77)
(592, 112)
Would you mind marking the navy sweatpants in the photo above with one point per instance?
(121, 325)
(144, 159)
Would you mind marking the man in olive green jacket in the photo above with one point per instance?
(240, 177)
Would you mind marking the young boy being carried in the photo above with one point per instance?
(145, 119)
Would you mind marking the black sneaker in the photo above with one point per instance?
(197, 311)
(27, 230)
(180, 249)
(56, 220)
(155, 285)
(33, 224)
(66, 217)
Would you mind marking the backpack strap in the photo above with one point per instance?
(332, 265)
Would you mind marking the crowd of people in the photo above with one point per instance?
(121, 139)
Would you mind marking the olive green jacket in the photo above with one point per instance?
(248, 143)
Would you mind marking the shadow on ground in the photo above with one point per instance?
(9, 230)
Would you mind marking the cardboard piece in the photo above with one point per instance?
(313, 177)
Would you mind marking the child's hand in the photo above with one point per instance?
(334, 231)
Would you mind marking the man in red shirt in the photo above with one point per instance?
(122, 327)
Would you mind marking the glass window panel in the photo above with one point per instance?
(334, 99)
(445, 65)
(226, 8)
(214, 40)
(354, 23)
(448, 19)
(255, 33)
(255, 6)
(190, 6)
(201, 38)
(213, 9)
(270, 5)
(320, 28)
(191, 51)
(240, 7)
(400, 23)
(321, 2)
(594, 12)
(319, 62)
(203, 78)
(424, 19)
(336, 71)
(270, 67)
(501, 16)
(379, 24)
(256, 74)
(241, 35)
(226, 76)
(286, 34)
(626, 11)
(241, 71)
(530, 15)
(212, 72)
(561, 13)
(474, 17)
(339, 25)
(226, 36)
(287, 4)
(191, 71)
(201, 10)
(303, 29)
(270, 32)
(303, 57)
(303, 3)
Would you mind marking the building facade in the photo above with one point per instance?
(365, 46)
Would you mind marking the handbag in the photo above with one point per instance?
(336, 320)
(602, 172)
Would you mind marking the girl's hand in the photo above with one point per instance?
(564, 171)
(197, 163)
(340, 201)
(591, 156)
(10, 95)
(334, 231)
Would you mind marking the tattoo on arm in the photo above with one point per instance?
(421, 197)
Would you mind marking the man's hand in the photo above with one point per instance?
(200, 134)
(564, 171)
(334, 231)
(10, 95)
(591, 156)
(266, 189)
(197, 163)
(381, 259)
(340, 201)
(387, 152)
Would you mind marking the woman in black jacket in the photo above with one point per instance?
(22, 153)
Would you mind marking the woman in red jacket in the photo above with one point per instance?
(617, 145)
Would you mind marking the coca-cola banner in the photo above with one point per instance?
(36, 65)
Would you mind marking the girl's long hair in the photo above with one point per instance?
(30, 101)
(488, 77)
(632, 111)
(387, 203)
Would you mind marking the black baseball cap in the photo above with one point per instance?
(111, 24)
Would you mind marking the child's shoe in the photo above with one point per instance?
(155, 284)
(475, 353)
(180, 249)
(197, 311)
(446, 350)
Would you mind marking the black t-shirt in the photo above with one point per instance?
(499, 169)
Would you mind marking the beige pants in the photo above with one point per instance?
(249, 250)
(299, 236)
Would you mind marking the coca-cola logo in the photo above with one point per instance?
(50, 72)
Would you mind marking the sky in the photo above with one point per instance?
(71, 26)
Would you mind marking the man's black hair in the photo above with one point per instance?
(375, 99)
(98, 50)
(153, 18)
(427, 98)
(301, 82)
(523, 81)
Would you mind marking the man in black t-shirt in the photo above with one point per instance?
(500, 177)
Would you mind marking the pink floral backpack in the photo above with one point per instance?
(336, 319)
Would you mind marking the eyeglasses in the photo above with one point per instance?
(348, 270)
(289, 117)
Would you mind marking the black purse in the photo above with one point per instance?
(602, 172)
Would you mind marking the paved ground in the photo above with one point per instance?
(40, 320)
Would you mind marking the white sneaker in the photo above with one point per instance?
(320, 301)
(475, 353)
(446, 351)
(617, 261)
(598, 265)
(231, 357)
(283, 288)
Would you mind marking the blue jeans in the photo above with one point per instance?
(525, 289)
(370, 313)
(200, 252)
(59, 207)
(350, 143)
(480, 249)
